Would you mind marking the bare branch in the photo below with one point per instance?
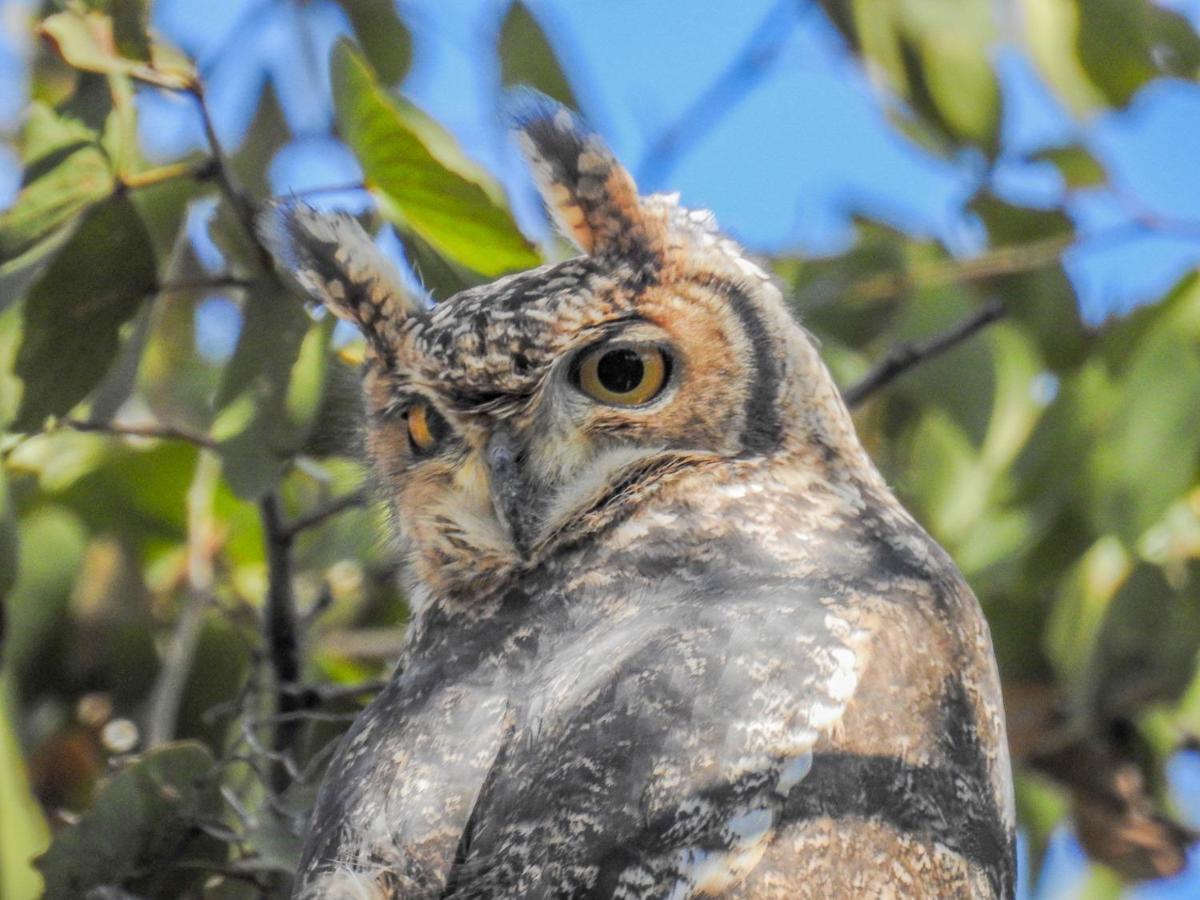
(160, 432)
(903, 357)
(334, 507)
(220, 282)
(281, 631)
(242, 205)
(167, 693)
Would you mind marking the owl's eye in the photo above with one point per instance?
(628, 375)
(426, 428)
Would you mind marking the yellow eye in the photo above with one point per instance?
(426, 427)
(626, 375)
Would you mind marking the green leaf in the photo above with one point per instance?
(52, 543)
(1051, 30)
(86, 42)
(441, 277)
(1043, 303)
(19, 273)
(935, 55)
(66, 172)
(130, 20)
(72, 323)
(142, 820)
(385, 41)
(1148, 454)
(414, 188)
(1147, 612)
(24, 833)
(1077, 166)
(1008, 224)
(8, 551)
(175, 380)
(526, 57)
(268, 132)
(1123, 44)
(271, 390)
(341, 419)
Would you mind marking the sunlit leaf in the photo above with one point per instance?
(933, 54)
(65, 173)
(1148, 454)
(8, 551)
(25, 833)
(87, 42)
(1051, 29)
(385, 41)
(142, 819)
(440, 277)
(1081, 608)
(527, 57)
(415, 190)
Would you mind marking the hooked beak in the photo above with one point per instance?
(510, 500)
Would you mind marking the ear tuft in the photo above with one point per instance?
(337, 263)
(591, 196)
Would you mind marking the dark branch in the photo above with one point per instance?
(903, 357)
(334, 507)
(223, 173)
(160, 432)
(281, 631)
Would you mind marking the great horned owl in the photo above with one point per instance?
(673, 636)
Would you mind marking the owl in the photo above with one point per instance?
(672, 635)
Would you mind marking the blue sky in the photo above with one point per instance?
(804, 146)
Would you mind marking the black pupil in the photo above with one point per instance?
(620, 371)
(436, 424)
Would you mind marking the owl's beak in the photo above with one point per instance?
(509, 498)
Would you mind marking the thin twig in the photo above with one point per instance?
(317, 694)
(200, 171)
(242, 206)
(220, 282)
(160, 432)
(332, 189)
(281, 631)
(903, 357)
(334, 507)
(167, 693)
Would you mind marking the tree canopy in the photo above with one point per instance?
(197, 585)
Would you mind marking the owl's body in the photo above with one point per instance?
(674, 638)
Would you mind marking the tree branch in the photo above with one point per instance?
(281, 632)
(334, 507)
(167, 693)
(160, 432)
(242, 205)
(903, 357)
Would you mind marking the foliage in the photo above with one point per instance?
(181, 535)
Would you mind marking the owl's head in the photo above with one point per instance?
(543, 406)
